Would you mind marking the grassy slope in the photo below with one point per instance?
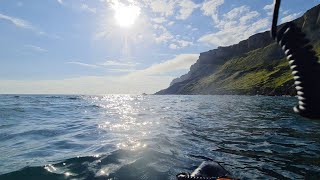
(253, 73)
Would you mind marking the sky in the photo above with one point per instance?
(120, 46)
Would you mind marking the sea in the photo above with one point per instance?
(154, 137)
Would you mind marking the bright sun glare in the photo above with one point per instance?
(126, 15)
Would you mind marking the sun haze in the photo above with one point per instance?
(125, 15)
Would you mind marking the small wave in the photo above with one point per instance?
(6, 110)
(53, 97)
(45, 133)
(119, 164)
(74, 97)
(77, 167)
(6, 126)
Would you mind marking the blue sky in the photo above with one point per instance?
(78, 46)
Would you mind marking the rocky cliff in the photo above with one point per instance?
(253, 66)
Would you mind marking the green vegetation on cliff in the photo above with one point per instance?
(254, 73)
(254, 66)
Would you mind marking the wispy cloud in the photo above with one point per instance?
(123, 70)
(269, 9)
(184, 43)
(210, 8)
(118, 63)
(180, 62)
(17, 22)
(290, 17)
(163, 35)
(163, 7)
(21, 23)
(168, 7)
(114, 66)
(159, 20)
(60, 1)
(83, 64)
(236, 25)
(240, 12)
(36, 48)
(285, 12)
(86, 8)
(186, 9)
(177, 44)
(173, 46)
(171, 23)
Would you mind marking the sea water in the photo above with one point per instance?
(154, 137)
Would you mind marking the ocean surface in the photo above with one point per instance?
(154, 137)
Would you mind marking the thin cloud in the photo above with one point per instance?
(269, 9)
(123, 70)
(180, 62)
(113, 66)
(159, 20)
(36, 48)
(17, 21)
(210, 8)
(21, 23)
(173, 46)
(163, 7)
(290, 17)
(235, 35)
(171, 23)
(168, 7)
(178, 44)
(163, 37)
(184, 43)
(82, 64)
(186, 9)
(236, 25)
(117, 63)
(86, 8)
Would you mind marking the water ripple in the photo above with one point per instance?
(154, 137)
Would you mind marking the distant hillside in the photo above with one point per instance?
(254, 66)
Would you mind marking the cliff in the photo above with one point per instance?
(253, 66)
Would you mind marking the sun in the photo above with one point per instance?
(125, 15)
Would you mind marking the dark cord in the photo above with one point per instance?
(275, 18)
(303, 63)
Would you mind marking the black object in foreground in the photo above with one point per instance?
(208, 170)
(303, 62)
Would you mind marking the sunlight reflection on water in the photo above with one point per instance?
(126, 121)
(143, 137)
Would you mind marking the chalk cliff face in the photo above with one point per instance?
(253, 66)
